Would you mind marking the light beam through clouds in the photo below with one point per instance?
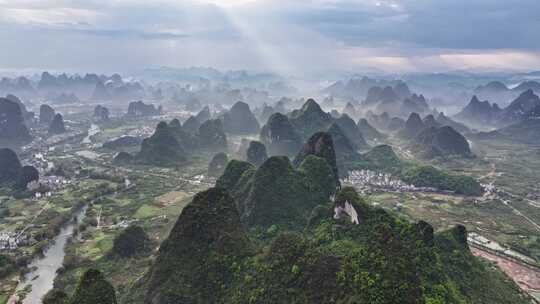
(285, 36)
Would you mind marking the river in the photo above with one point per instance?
(43, 270)
(94, 129)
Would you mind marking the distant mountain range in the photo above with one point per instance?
(482, 113)
(65, 88)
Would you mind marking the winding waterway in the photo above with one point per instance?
(43, 270)
(94, 129)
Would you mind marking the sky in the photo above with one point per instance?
(291, 37)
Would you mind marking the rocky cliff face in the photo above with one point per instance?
(217, 164)
(57, 125)
(12, 173)
(280, 136)
(46, 114)
(256, 153)
(321, 145)
(139, 108)
(101, 113)
(12, 126)
(10, 167)
(28, 116)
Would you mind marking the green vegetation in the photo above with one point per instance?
(382, 158)
(211, 136)
(352, 131)
(93, 289)
(384, 259)
(234, 170)
(429, 176)
(153, 202)
(441, 142)
(479, 282)
(131, 242)
(194, 264)
(280, 136)
(283, 245)
(278, 194)
(55, 296)
(162, 148)
(256, 153)
(310, 119)
(321, 145)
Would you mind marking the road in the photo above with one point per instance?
(493, 174)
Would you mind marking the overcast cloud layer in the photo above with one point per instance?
(286, 36)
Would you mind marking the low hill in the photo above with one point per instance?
(441, 142)
(162, 148)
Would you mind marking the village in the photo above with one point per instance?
(368, 182)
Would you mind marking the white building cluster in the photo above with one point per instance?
(8, 241)
(367, 180)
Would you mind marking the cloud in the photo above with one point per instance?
(453, 24)
(290, 36)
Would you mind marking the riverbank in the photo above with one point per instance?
(43, 271)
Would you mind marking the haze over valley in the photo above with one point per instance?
(257, 151)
